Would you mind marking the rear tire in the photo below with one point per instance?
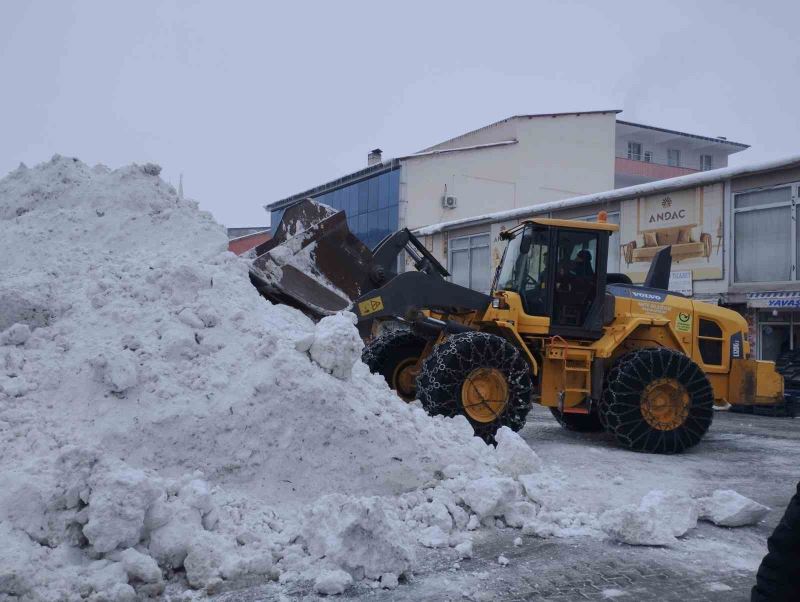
(657, 401)
(391, 355)
(580, 423)
(481, 376)
(788, 366)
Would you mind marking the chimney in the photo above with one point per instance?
(374, 157)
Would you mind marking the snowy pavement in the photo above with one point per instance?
(757, 456)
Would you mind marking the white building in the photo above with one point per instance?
(518, 162)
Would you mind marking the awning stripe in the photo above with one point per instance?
(775, 295)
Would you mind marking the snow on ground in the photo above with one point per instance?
(162, 427)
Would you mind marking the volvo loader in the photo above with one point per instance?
(643, 363)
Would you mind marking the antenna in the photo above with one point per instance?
(180, 187)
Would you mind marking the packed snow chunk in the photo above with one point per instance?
(119, 497)
(16, 334)
(331, 583)
(204, 559)
(389, 581)
(517, 542)
(464, 549)
(514, 456)
(727, 508)
(519, 514)
(172, 524)
(140, 566)
(433, 537)
(434, 514)
(358, 534)
(337, 345)
(109, 582)
(676, 510)
(502, 560)
(636, 527)
(117, 370)
(490, 496)
(23, 506)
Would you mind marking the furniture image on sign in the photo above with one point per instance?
(679, 237)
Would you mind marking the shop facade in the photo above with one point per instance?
(734, 235)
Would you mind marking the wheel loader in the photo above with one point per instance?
(643, 363)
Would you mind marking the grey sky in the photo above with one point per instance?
(254, 101)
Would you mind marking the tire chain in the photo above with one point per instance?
(444, 371)
(788, 366)
(620, 405)
(374, 353)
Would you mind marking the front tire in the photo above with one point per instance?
(481, 376)
(394, 355)
(657, 401)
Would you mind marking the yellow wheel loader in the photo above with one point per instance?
(645, 364)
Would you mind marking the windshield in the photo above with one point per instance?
(526, 273)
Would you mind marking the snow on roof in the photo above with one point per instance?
(460, 148)
(702, 178)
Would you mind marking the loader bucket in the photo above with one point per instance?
(313, 262)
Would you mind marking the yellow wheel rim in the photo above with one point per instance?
(665, 404)
(404, 379)
(484, 394)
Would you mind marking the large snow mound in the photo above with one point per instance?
(161, 423)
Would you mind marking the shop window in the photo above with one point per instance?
(763, 233)
(470, 261)
(778, 332)
(709, 341)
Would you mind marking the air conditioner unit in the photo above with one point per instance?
(449, 202)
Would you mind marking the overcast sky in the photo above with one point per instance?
(253, 101)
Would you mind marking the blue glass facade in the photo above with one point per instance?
(370, 205)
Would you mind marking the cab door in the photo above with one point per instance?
(578, 282)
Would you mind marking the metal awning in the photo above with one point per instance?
(774, 299)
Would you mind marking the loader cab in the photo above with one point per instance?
(558, 268)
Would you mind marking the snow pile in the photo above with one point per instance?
(659, 518)
(161, 425)
(727, 508)
(662, 516)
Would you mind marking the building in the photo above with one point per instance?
(241, 240)
(516, 162)
(734, 234)
(645, 153)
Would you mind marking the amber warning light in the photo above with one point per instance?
(602, 217)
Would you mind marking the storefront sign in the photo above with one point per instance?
(681, 282)
(688, 221)
(775, 300)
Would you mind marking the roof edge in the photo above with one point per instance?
(460, 149)
(741, 145)
(523, 116)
